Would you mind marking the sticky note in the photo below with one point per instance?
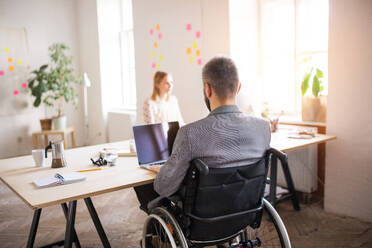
(191, 59)
(11, 68)
(15, 92)
(24, 85)
(153, 65)
(157, 27)
(160, 35)
(198, 52)
(6, 49)
(1, 73)
(155, 44)
(188, 51)
(151, 31)
(157, 65)
(19, 62)
(161, 57)
(10, 60)
(188, 27)
(194, 44)
(199, 61)
(153, 54)
(197, 34)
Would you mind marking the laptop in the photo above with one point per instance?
(154, 142)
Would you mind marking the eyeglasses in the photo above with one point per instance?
(100, 161)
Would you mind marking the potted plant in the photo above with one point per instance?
(314, 106)
(53, 84)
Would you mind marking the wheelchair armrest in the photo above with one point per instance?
(283, 157)
(201, 166)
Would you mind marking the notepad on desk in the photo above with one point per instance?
(67, 178)
(120, 152)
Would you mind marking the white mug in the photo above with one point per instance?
(39, 157)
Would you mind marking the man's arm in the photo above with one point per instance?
(172, 173)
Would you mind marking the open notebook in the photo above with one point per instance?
(59, 179)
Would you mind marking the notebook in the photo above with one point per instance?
(59, 179)
(154, 142)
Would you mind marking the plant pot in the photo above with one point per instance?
(314, 108)
(59, 123)
(46, 124)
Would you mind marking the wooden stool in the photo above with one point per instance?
(47, 134)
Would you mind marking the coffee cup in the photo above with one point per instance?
(39, 157)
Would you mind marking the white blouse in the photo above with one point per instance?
(162, 111)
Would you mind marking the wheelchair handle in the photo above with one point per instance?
(201, 166)
(281, 155)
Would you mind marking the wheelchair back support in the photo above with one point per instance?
(219, 202)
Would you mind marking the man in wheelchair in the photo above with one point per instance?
(210, 191)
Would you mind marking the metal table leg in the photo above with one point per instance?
(33, 230)
(75, 237)
(273, 179)
(97, 222)
(69, 237)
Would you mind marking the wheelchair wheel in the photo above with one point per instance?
(272, 232)
(162, 230)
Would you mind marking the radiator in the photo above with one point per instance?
(303, 164)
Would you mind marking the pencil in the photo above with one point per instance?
(95, 169)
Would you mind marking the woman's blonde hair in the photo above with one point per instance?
(158, 77)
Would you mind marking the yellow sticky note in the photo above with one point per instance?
(6, 49)
(198, 52)
(191, 59)
(188, 51)
(194, 44)
(19, 62)
(155, 44)
(153, 54)
(10, 60)
(157, 65)
(11, 68)
(161, 57)
(157, 27)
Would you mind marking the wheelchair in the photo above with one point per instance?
(218, 207)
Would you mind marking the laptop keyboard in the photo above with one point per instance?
(158, 163)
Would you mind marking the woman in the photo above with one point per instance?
(162, 106)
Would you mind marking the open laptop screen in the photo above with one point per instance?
(154, 142)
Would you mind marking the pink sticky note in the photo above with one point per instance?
(188, 27)
(24, 85)
(160, 35)
(15, 92)
(199, 61)
(153, 65)
(1, 73)
(197, 34)
(151, 31)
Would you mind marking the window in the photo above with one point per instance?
(293, 38)
(128, 71)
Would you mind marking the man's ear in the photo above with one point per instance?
(208, 90)
(239, 87)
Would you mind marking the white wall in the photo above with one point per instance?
(349, 158)
(209, 17)
(46, 22)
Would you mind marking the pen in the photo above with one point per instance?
(95, 169)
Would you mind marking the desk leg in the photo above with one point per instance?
(97, 222)
(75, 237)
(69, 237)
(273, 179)
(290, 184)
(33, 230)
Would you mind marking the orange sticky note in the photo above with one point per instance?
(194, 44)
(10, 60)
(188, 51)
(155, 44)
(157, 27)
(11, 68)
(191, 59)
(198, 52)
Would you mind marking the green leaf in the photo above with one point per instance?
(43, 67)
(316, 86)
(319, 73)
(37, 101)
(305, 82)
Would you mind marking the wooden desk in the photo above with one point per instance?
(19, 173)
(45, 134)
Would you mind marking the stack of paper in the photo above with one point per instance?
(53, 181)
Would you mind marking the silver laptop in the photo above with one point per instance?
(154, 142)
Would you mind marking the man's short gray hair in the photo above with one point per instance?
(222, 75)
